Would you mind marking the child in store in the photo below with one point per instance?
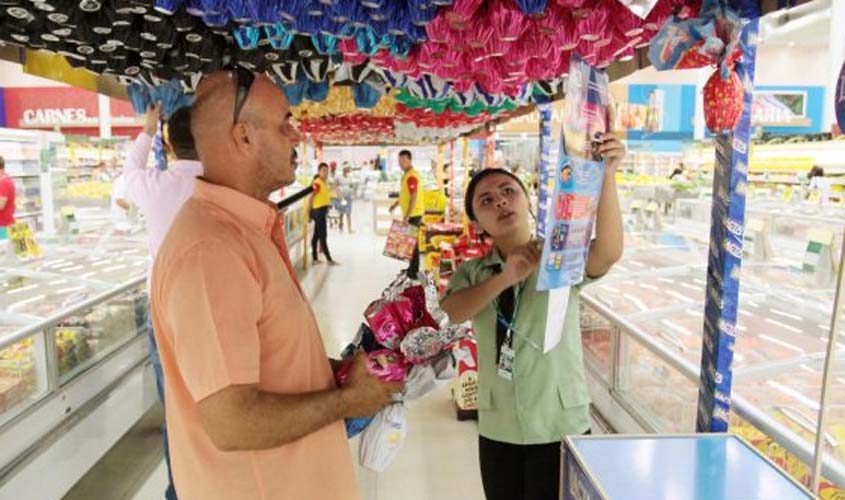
(528, 400)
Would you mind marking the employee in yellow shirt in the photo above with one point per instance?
(320, 201)
(412, 203)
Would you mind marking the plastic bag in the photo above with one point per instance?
(383, 438)
(421, 381)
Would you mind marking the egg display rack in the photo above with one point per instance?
(448, 65)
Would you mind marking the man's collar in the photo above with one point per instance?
(255, 213)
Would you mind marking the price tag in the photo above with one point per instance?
(820, 240)
(788, 193)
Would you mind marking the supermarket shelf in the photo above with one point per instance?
(20, 176)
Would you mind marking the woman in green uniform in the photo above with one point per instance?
(528, 400)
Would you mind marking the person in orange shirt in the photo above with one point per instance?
(321, 200)
(252, 406)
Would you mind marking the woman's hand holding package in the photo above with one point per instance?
(365, 394)
(611, 149)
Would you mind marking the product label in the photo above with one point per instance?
(577, 179)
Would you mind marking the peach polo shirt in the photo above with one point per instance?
(228, 310)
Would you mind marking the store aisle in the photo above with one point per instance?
(439, 460)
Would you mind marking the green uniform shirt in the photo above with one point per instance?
(547, 398)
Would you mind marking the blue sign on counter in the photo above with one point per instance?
(700, 467)
(725, 256)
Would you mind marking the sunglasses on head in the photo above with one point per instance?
(244, 79)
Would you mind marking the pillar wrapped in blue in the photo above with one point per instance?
(725, 256)
(545, 160)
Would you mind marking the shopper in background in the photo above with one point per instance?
(411, 202)
(159, 194)
(680, 170)
(253, 410)
(346, 184)
(320, 202)
(527, 400)
(120, 206)
(7, 201)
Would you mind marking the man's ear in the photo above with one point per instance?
(241, 137)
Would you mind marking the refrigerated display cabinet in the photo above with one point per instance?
(73, 356)
(643, 325)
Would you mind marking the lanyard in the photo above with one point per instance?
(511, 324)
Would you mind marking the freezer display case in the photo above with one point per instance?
(62, 313)
(642, 338)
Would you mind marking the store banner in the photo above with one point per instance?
(70, 108)
(725, 256)
(840, 100)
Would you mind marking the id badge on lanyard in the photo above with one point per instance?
(506, 359)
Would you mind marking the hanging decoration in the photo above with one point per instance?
(709, 40)
(468, 60)
(340, 101)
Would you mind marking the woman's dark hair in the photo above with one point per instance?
(321, 165)
(477, 178)
(406, 153)
(816, 171)
(179, 135)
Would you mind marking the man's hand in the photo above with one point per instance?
(521, 263)
(611, 150)
(151, 119)
(365, 394)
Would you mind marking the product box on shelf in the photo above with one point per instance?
(465, 387)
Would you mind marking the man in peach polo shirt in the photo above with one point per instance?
(252, 407)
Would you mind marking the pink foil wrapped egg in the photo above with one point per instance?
(578, 8)
(567, 39)
(658, 15)
(438, 30)
(506, 19)
(594, 26)
(563, 65)
(555, 19)
(479, 35)
(387, 365)
(626, 22)
(460, 14)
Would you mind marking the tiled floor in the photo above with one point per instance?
(439, 460)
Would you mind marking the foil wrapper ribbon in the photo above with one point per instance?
(390, 320)
(387, 365)
(423, 344)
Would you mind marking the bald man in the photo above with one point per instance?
(252, 407)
